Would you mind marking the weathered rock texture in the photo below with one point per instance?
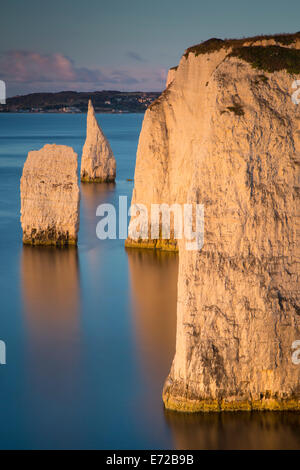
(98, 164)
(171, 75)
(50, 196)
(226, 134)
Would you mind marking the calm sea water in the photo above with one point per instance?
(90, 332)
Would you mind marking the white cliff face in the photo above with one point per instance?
(171, 76)
(97, 163)
(50, 196)
(226, 135)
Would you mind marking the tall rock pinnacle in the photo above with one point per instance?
(98, 164)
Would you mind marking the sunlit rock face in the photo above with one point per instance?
(50, 196)
(171, 75)
(98, 164)
(226, 135)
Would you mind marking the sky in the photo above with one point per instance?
(120, 44)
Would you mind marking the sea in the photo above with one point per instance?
(89, 332)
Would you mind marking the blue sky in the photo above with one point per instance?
(120, 44)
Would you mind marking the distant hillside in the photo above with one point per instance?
(72, 101)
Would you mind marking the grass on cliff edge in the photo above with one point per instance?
(270, 58)
(215, 44)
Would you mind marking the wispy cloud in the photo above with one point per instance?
(29, 71)
(135, 56)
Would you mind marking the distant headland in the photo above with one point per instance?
(105, 101)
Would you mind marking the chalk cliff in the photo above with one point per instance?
(171, 76)
(50, 196)
(226, 134)
(98, 164)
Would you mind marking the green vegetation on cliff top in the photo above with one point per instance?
(215, 44)
(269, 58)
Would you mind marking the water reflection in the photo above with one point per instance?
(50, 289)
(153, 279)
(256, 430)
(92, 195)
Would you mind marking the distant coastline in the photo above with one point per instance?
(72, 102)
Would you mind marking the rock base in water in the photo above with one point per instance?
(267, 402)
(158, 244)
(88, 179)
(48, 237)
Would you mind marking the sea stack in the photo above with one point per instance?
(98, 164)
(50, 197)
(226, 134)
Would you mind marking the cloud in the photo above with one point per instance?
(135, 56)
(29, 71)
